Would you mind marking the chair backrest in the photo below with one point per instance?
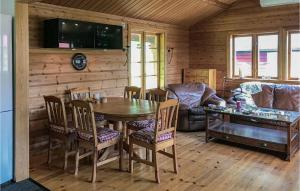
(84, 119)
(166, 118)
(56, 111)
(132, 92)
(80, 93)
(157, 95)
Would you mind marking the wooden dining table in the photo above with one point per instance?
(121, 110)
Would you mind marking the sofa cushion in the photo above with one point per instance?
(207, 94)
(197, 111)
(265, 97)
(287, 97)
(189, 94)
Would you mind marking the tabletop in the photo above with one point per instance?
(122, 109)
(261, 113)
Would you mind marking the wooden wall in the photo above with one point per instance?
(208, 40)
(51, 72)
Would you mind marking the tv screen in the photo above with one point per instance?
(108, 37)
(64, 33)
(76, 34)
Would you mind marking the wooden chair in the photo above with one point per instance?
(132, 92)
(157, 95)
(92, 139)
(80, 93)
(85, 93)
(59, 128)
(159, 138)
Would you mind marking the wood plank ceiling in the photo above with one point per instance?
(179, 12)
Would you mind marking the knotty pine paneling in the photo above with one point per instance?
(51, 72)
(180, 12)
(208, 39)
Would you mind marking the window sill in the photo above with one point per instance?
(240, 80)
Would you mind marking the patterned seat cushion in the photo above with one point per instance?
(61, 130)
(138, 125)
(147, 135)
(103, 135)
(99, 117)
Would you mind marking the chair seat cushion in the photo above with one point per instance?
(138, 125)
(147, 135)
(99, 117)
(103, 135)
(61, 130)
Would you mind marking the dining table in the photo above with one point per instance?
(119, 110)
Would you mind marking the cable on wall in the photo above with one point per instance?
(170, 54)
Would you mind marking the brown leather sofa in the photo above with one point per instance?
(276, 96)
(192, 97)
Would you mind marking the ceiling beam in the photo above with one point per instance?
(217, 3)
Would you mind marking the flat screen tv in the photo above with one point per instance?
(64, 33)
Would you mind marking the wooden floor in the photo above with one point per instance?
(211, 166)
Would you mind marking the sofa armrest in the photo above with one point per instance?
(214, 99)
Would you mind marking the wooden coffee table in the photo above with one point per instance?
(270, 129)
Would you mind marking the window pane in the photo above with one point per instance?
(151, 41)
(268, 56)
(151, 82)
(136, 60)
(136, 69)
(243, 56)
(151, 68)
(136, 81)
(151, 55)
(295, 55)
(135, 48)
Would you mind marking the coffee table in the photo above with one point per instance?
(270, 129)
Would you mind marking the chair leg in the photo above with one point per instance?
(130, 156)
(147, 154)
(94, 165)
(121, 153)
(77, 160)
(127, 135)
(49, 150)
(154, 159)
(66, 155)
(175, 159)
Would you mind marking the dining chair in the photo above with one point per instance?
(59, 127)
(80, 93)
(132, 92)
(85, 93)
(92, 139)
(157, 95)
(157, 139)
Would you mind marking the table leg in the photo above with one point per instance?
(288, 154)
(206, 128)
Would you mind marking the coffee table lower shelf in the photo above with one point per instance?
(266, 138)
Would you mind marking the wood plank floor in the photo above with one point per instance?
(211, 166)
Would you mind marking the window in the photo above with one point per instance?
(267, 55)
(146, 63)
(243, 56)
(255, 55)
(294, 55)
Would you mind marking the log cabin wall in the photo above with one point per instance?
(51, 72)
(208, 39)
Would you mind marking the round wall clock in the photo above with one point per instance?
(79, 61)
